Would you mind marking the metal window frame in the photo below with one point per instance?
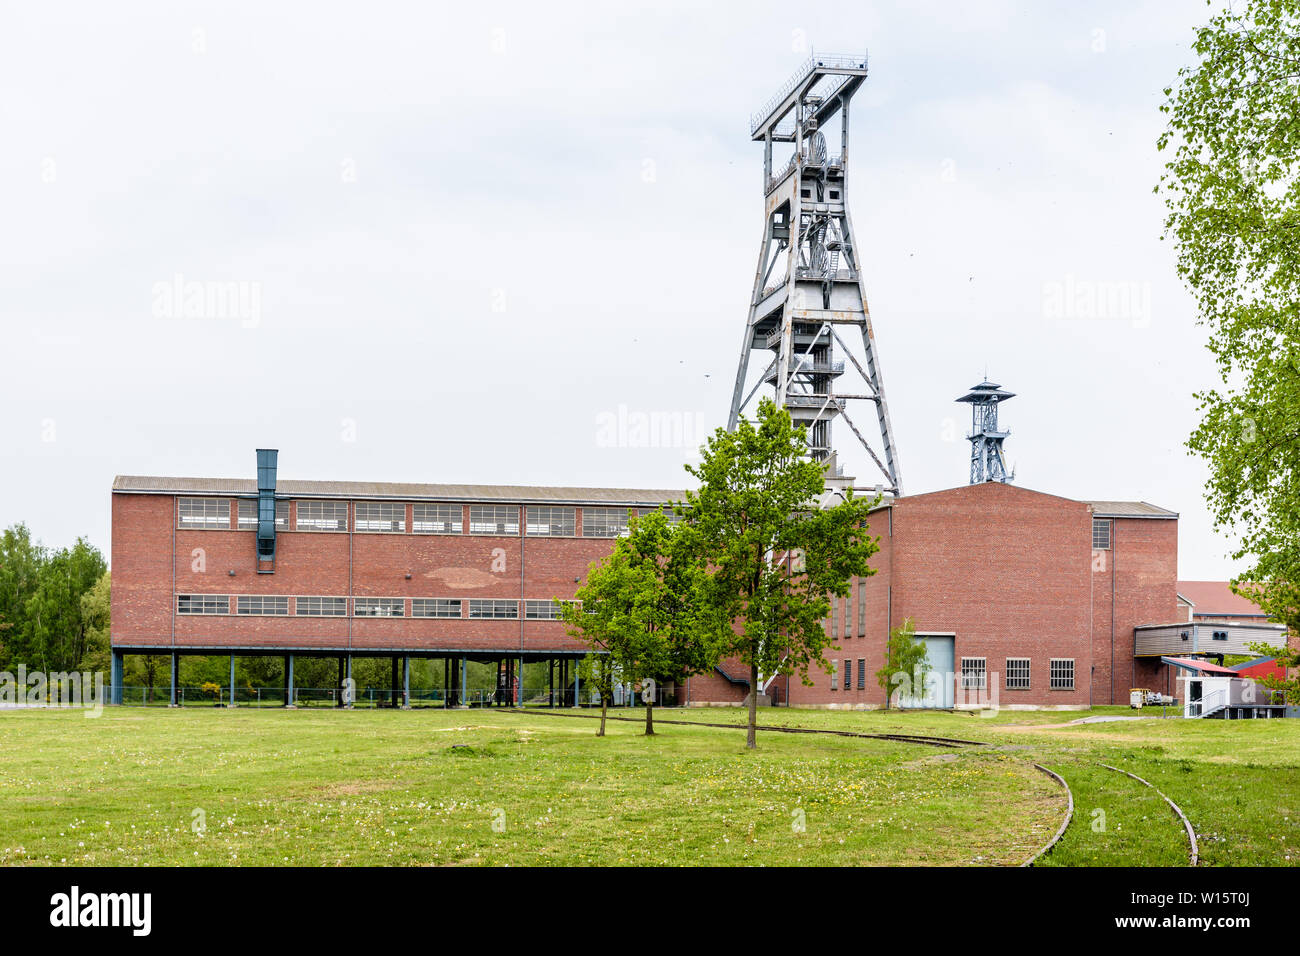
(313, 504)
(260, 601)
(210, 522)
(204, 600)
(848, 673)
(1028, 673)
(539, 516)
(437, 513)
(862, 673)
(1106, 523)
(437, 603)
(399, 603)
(982, 675)
(1052, 678)
(390, 513)
(605, 522)
(511, 520)
(299, 612)
(497, 604)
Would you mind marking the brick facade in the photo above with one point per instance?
(1007, 571)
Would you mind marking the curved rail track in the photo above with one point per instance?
(925, 739)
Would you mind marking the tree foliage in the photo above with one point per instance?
(1232, 191)
(647, 607)
(775, 556)
(44, 623)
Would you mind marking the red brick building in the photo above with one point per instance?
(458, 572)
(1024, 599)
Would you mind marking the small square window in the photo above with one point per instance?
(1101, 534)
(1017, 673)
(1061, 674)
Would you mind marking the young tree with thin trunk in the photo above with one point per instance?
(907, 664)
(775, 554)
(646, 607)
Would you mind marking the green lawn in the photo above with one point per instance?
(491, 787)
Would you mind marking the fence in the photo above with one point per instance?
(373, 697)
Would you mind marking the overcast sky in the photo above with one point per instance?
(473, 238)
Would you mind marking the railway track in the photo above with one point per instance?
(923, 739)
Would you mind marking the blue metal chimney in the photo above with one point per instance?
(266, 465)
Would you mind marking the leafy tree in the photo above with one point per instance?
(1232, 189)
(20, 561)
(95, 612)
(775, 555)
(53, 633)
(906, 666)
(648, 606)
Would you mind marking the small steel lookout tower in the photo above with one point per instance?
(987, 462)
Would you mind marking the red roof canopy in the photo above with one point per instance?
(1207, 668)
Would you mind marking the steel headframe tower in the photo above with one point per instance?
(809, 301)
(987, 463)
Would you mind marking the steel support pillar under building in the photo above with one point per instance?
(115, 678)
(809, 307)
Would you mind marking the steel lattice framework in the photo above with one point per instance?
(809, 302)
(987, 461)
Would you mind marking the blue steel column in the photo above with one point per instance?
(406, 682)
(175, 665)
(115, 678)
(288, 697)
(519, 702)
(463, 701)
(232, 681)
(577, 688)
(352, 691)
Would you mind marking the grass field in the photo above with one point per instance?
(489, 787)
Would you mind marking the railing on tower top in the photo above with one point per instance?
(806, 69)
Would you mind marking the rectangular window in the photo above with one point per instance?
(247, 520)
(386, 516)
(378, 607)
(322, 516)
(203, 604)
(207, 513)
(973, 673)
(261, 604)
(321, 606)
(835, 617)
(1017, 673)
(543, 610)
(438, 519)
(1061, 674)
(835, 674)
(604, 522)
(435, 607)
(1101, 534)
(553, 522)
(848, 674)
(862, 608)
(493, 519)
(862, 674)
(494, 610)
(848, 615)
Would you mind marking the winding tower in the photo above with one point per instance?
(808, 308)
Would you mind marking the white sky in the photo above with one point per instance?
(474, 230)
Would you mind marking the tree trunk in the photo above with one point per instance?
(650, 719)
(604, 699)
(751, 736)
